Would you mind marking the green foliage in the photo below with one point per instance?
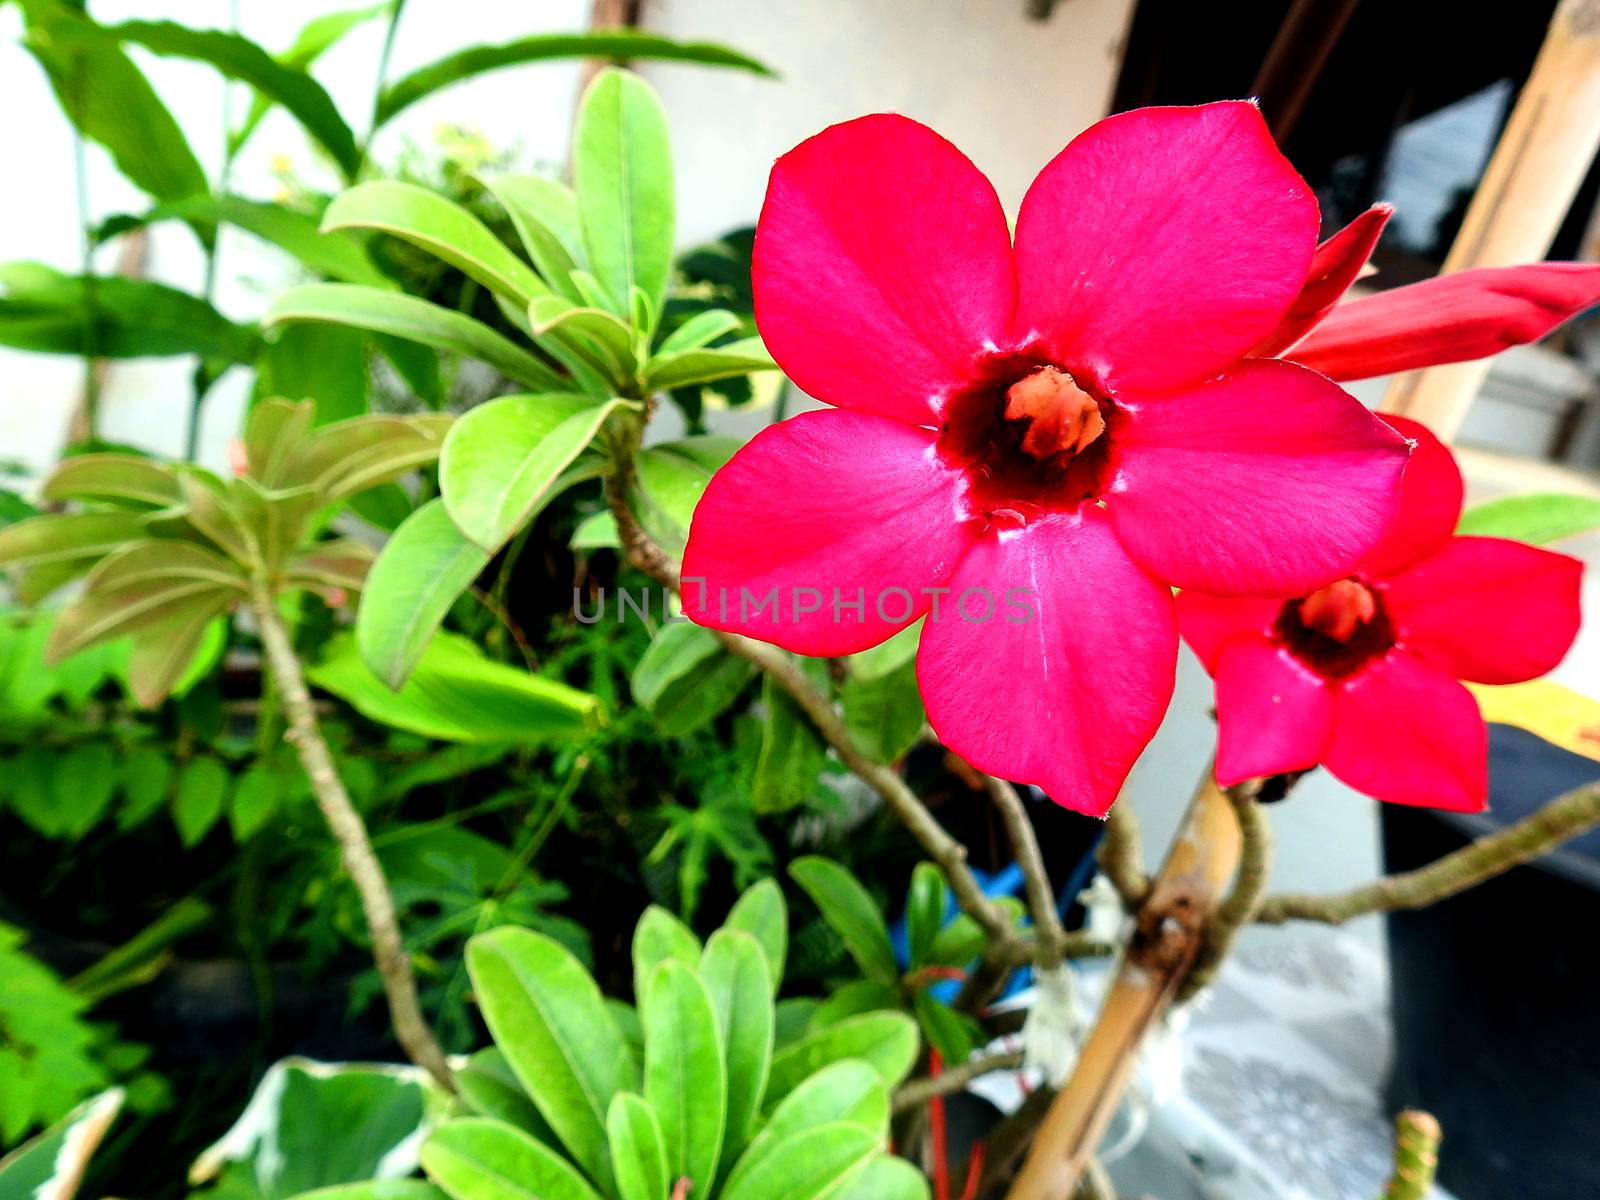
(884, 713)
(686, 678)
(1538, 517)
(53, 1163)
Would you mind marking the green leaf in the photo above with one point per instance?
(685, 678)
(456, 694)
(946, 1030)
(926, 905)
(657, 937)
(53, 1164)
(850, 1091)
(416, 578)
(597, 531)
(168, 658)
(884, 714)
(686, 367)
(441, 227)
(850, 910)
(601, 339)
(326, 364)
(490, 1087)
(957, 944)
(886, 1178)
(701, 329)
(66, 537)
(146, 781)
(685, 1078)
(85, 779)
(545, 213)
(241, 59)
(413, 320)
(852, 999)
(886, 1041)
(887, 657)
(1537, 518)
(114, 479)
(792, 754)
(111, 317)
(622, 44)
(256, 796)
(327, 567)
(147, 585)
(622, 173)
(347, 457)
(637, 1150)
(502, 461)
(480, 1159)
(672, 478)
(806, 1166)
(198, 802)
(547, 1017)
(735, 971)
(316, 36)
(109, 100)
(376, 1189)
(761, 913)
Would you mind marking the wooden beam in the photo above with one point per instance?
(1536, 170)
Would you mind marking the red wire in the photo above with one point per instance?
(974, 1171)
(936, 1132)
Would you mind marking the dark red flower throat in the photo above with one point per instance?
(1030, 438)
(1336, 630)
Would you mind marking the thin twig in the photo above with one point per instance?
(1416, 1155)
(1036, 880)
(1121, 856)
(1244, 899)
(355, 849)
(954, 1079)
(1565, 817)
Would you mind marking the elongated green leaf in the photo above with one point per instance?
(554, 317)
(111, 317)
(545, 213)
(456, 694)
(479, 1159)
(851, 1000)
(886, 1041)
(417, 577)
(323, 363)
(490, 1087)
(547, 1017)
(151, 560)
(887, 657)
(208, 510)
(414, 320)
(884, 714)
(792, 755)
(850, 910)
(502, 459)
(336, 255)
(701, 329)
(198, 803)
(327, 568)
(807, 1165)
(257, 793)
(637, 1150)
(64, 537)
(241, 59)
(735, 971)
(762, 913)
(109, 100)
(100, 614)
(346, 457)
(672, 478)
(53, 1164)
(441, 227)
(848, 1092)
(926, 905)
(685, 678)
(657, 937)
(686, 367)
(114, 478)
(1537, 518)
(621, 44)
(886, 1178)
(685, 1078)
(316, 36)
(622, 172)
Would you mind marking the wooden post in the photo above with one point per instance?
(1171, 926)
(1536, 171)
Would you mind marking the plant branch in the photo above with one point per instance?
(1121, 856)
(1416, 1156)
(1243, 901)
(1036, 880)
(355, 849)
(954, 1079)
(1565, 817)
(642, 552)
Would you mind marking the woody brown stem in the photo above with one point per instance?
(1565, 817)
(1036, 880)
(1121, 856)
(1244, 898)
(954, 1079)
(355, 847)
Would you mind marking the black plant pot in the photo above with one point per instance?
(1497, 992)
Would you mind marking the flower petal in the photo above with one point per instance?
(1407, 733)
(1161, 245)
(1068, 698)
(882, 266)
(1487, 609)
(1337, 264)
(824, 507)
(1430, 501)
(1266, 481)
(1273, 715)
(1208, 623)
(1451, 318)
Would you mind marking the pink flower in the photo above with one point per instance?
(1361, 675)
(1040, 438)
